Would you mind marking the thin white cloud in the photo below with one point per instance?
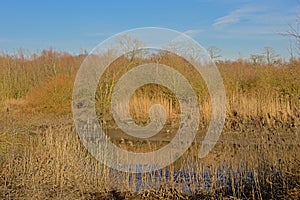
(193, 32)
(243, 13)
(256, 19)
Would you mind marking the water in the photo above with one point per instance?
(186, 181)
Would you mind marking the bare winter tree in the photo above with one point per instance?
(270, 55)
(214, 52)
(257, 59)
(130, 46)
(294, 33)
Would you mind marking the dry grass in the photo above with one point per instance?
(53, 164)
(41, 157)
(52, 96)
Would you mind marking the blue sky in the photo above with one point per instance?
(238, 27)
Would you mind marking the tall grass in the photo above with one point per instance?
(21, 73)
(54, 165)
(261, 95)
(268, 93)
(256, 157)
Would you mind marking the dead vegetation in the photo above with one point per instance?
(41, 157)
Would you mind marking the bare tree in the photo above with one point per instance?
(257, 59)
(291, 50)
(294, 33)
(214, 52)
(130, 46)
(270, 55)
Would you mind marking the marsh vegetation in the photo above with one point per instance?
(41, 156)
